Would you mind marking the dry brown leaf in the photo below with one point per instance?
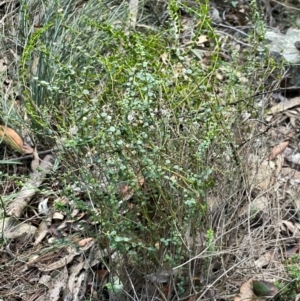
(278, 149)
(281, 133)
(62, 262)
(55, 285)
(290, 227)
(219, 76)
(291, 134)
(291, 251)
(261, 175)
(164, 58)
(3, 66)
(202, 39)
(12, 229)
(166, 289)
(41, 232)
(293, 116)
(88, 245)
(291, 173)
(260, 203)
(246, 292)
(63, 200)
(264, 259)
(291, 155)
(194, 298)
(293, 102)
(76, 279)
(127, 192)
(83, 242)
(58, 216)
(101, 274)
(22, 232)
(10, 137)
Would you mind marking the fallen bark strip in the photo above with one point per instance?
(28, 191)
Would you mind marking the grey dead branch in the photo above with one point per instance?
(9, 226)
(133, 6)
(28, 191)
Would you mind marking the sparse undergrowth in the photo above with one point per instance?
(146, 123)
(288, 290)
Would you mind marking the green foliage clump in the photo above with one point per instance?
(129, 107)
(288, 290)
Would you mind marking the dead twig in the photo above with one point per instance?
(30, 157)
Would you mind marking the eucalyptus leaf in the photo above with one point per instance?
(10, 162)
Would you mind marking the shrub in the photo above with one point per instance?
(142, 120)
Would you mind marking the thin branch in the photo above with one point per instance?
(31, 157)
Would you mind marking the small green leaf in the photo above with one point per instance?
(263, 288)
